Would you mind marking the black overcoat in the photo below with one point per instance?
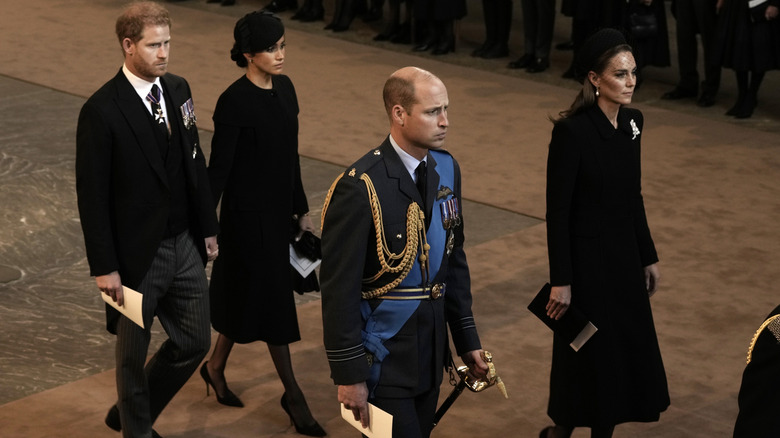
(254, 167)
(599, 242)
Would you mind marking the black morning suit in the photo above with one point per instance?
(418, 352)
(126, 198)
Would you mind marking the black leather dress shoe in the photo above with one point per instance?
(522, 62)
(745, 110)
(705, 100)
(424, 46)
(498, 50)
(112, 421)
(444, 48)
(679, 93)
(539, 65)
(402, 35)
(479, 51)
(314, 14)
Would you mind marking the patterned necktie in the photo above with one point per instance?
(157, 112)
(422, 175)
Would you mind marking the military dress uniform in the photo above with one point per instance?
(758, 400)
(393, 276)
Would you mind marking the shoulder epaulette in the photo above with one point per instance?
(773, 325)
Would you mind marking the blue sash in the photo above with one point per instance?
(386, 320)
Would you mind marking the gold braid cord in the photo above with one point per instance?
(758, 332)
(327, 200)
(396, 263)
(393, 263)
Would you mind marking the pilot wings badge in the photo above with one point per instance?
(443, 192)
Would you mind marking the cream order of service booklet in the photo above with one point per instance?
(132, 305)
(380, 423)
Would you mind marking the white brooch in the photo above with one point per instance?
(634, 129)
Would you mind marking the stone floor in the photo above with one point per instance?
(709, 181)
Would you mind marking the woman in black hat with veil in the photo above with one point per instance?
(602, 257)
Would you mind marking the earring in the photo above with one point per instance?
(252, 61)
(597, 92)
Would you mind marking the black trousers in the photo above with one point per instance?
(538, 26)
(697, 16)
(412, 417)
(176, 290)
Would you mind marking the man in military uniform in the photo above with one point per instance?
(758, 394)
(394, 272)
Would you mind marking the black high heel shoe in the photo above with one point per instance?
(310, 430)
(229, 399)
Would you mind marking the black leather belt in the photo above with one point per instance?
(431, 292)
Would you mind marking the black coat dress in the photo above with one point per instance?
(255, 169)
(744, 44)
(599, 242)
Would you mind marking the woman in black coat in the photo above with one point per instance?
(602, 258)
(749, 44)
(255, 169)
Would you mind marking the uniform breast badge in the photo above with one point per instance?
(443, 192)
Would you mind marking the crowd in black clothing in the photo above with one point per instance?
(736, 34)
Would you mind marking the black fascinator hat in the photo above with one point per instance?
(254, 32)
(594, 48)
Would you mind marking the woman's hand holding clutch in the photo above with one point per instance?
(560, 298)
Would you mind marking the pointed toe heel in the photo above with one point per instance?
(313, 429)
(229, 399)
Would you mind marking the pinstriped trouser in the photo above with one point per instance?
(176, 290)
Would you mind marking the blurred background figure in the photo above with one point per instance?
(498, 22)
(644, 22)
(312, 10)
(375, 11)
(280, 5)
(538, 22)
(223, 2)
(749, 44)
(343, 14)
(696, 17)
(436, 19)
(396, 31)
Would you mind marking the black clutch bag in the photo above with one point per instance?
(310, 247)
(573, 327)
(642, 22)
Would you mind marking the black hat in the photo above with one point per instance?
(256, 31)
(595, 46)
